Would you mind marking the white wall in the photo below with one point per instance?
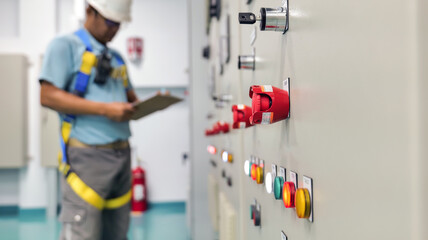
(160, 140)
(163, 26)
(38, 22)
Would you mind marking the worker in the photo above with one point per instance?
(87, 84)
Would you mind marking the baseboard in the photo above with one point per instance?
(9, 210)
(170, 207)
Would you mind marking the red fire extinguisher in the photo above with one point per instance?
(139, 190)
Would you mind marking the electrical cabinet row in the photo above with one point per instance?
(306, 126)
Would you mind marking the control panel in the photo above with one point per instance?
(313, 107)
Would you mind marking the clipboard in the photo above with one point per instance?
(153, 104)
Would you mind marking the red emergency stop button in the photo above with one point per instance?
(241, 116)
(269, 105)
(221, 126)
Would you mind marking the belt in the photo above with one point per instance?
(72, 142)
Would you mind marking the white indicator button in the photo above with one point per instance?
(269, 183)
(225, 156)
(247, 167)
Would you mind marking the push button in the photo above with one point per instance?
(303, 203)
(254, 172)
(247, 167)
(269, 183)
(288, 194)
(278, 184)
(259, 175)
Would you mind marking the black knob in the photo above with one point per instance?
(229, 181)
(206, 52)
(257, 218)
(247, 18)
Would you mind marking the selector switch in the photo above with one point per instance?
(256, 218)
(278, 185)
(229, 181)
(303, 203)
(247, 62)
(271, 19)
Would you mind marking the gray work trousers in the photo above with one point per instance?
(108, 172)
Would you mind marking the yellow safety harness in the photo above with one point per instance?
(85, 192)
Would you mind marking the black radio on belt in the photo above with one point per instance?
(104, 67)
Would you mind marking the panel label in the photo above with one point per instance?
(282, 173)
(273, 171)
(267, 88)
(267, 117)
(283, 236)
(240, 107)
(307, 183)
(286, 85)
(293, 178)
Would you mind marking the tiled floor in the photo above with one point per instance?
(161, 221)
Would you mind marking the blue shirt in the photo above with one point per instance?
(61, 63)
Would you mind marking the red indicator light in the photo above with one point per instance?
(288, 194)
(211, 149)
(254, 172)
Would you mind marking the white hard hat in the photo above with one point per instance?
(115, 10)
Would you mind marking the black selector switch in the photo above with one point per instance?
(206, 52)
(257, 218)
(271, 19)
(247, 18)
(229, 181)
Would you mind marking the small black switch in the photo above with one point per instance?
(247, 18)
(229, 181)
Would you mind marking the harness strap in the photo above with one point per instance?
(89, 60)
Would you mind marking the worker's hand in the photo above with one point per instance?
(119, 111)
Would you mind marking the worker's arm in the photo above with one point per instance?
(64, 102)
